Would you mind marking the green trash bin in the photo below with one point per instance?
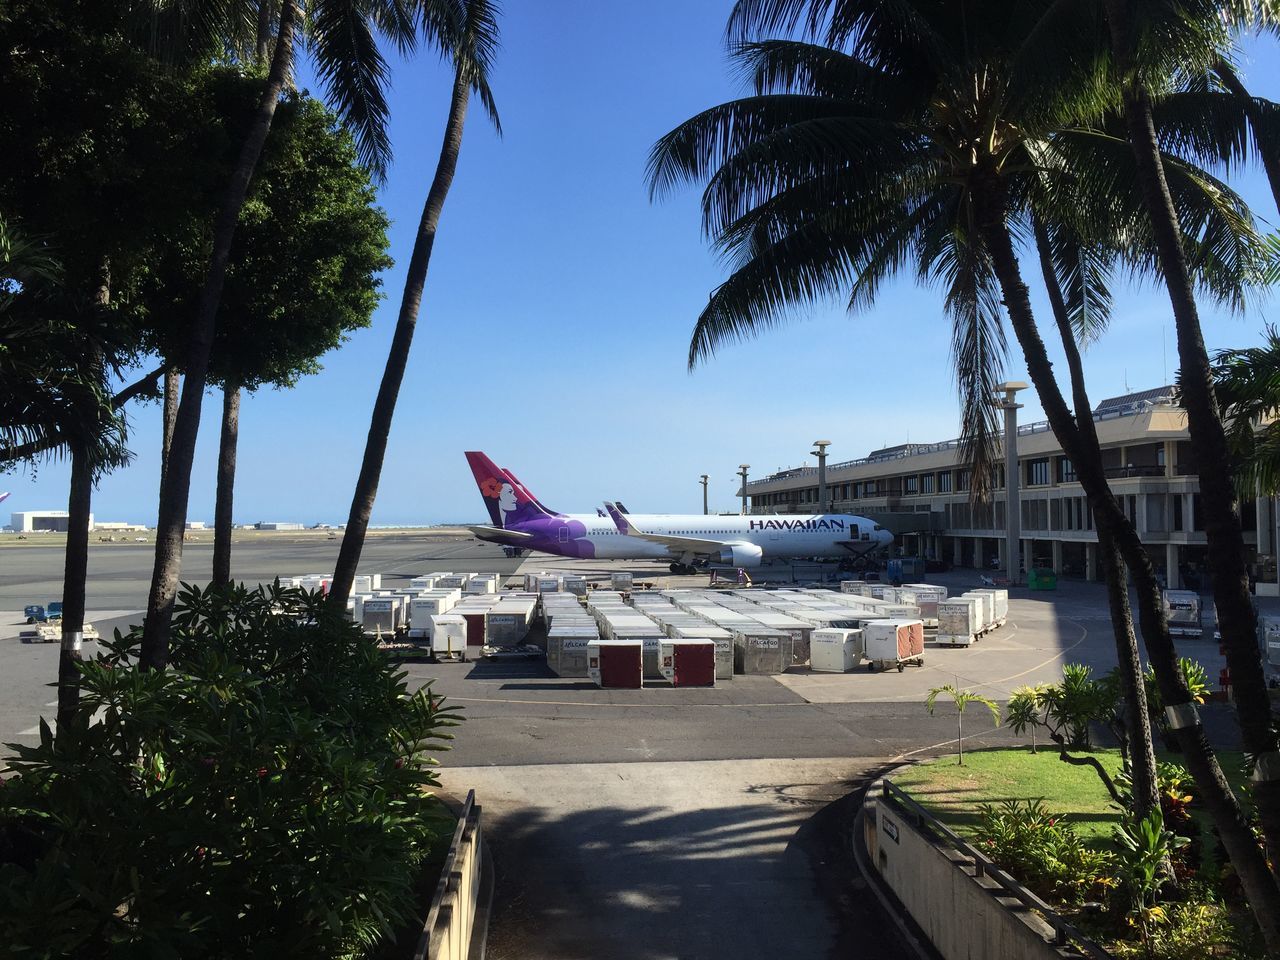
(1042, 578)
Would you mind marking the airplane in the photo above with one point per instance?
(522, 522)
(4, 496)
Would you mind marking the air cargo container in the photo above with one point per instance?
(958, 624)
(615, 664)
(858, 588)
(448, 636)
(575, 585)
(567, 656)
(507, 622)
(986, 622)
(900, 611)
(621, 581)
(893, 643)
(761, 651)
(381, 615)
(689, 662)
(367, 583)
(927, 599)
(999, 612)
(1182, 607)
(452, 581)
(835, 651)
(483, 583)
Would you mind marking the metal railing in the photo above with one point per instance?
(1064, 932)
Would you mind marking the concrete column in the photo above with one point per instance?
(1056, 546)
(1091, 561)
(705, 478)
(1002, 553)
(1028, 555)
(824, 502)
(742, 472)
(1188, 511)
(1012, 511)
(1140, 521)
(955, 552)
(1264, 525)
(1171, 575)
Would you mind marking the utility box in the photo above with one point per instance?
(615, 664)
(894, 643)
(958, 624)
(835, 651)
(689, 662)
(1042, 578)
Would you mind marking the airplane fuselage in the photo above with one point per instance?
(778, 537)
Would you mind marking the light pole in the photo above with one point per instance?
(821, 454)
(705, 511)
(1013, 505)
(742, 472)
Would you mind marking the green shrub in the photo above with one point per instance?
(1044, 852)
(1186, 931)
(266, 794)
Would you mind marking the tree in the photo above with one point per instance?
(1146, 45)
(342, 35)
(961, 699)
(931, 143)
(472, 57)
(303, 274)
(1247, 383)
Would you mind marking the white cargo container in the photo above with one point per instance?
(448, 636)
(893, 643)
(567, 655)
(689, 662)
(485, 583)
(367, 583)
(548, 584)
(958, 624)
(507, 622)
(900, 611)
(856, 587)
(921, 589)
(835, 651)
(999, 612)
(1182, 607)
(761, 651)
(621, 581)
(575, 585)
(984, 611)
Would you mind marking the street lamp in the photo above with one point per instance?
(1013, 504)
(821, 454)
(742, 472)
(705, 511)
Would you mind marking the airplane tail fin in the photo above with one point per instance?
(507, 499)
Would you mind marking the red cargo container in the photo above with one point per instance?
(616, 664)
(688, 662)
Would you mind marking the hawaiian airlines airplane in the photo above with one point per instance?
(520, 520)
(4, 497)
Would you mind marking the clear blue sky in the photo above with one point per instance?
(559, 305)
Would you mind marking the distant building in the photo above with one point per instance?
(263, 525)
(197, 525)
(119, 527)
(35, 521)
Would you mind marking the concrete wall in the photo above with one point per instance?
(446, 934)
(960, 913)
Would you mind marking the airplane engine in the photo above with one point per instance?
(741, 554)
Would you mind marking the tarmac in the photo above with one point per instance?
(648, 824)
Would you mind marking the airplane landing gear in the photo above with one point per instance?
(677, 568)
(684, 570)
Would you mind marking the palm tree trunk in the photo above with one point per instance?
(74, 574)
(1146, 793)
(1270, 159)
(172, 384)
(174, 491)
(1226, 551)
(222, 511)
(1224, 809)
(389, 390)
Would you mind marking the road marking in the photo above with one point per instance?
(647, 706)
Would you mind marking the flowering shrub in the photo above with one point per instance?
(267, 793)
(1044, 852)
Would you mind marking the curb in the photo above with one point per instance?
(872, 878)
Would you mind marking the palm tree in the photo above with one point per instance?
(1247, 382)
(928, 141)
(342, 37)
(473, 57)
(962, 699)
(1144, 47)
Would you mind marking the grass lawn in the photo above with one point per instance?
(953, 793)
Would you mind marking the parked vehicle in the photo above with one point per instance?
(893, 643)
(55, 610)
(35, 613)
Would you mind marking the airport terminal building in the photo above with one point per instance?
(921, 493)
